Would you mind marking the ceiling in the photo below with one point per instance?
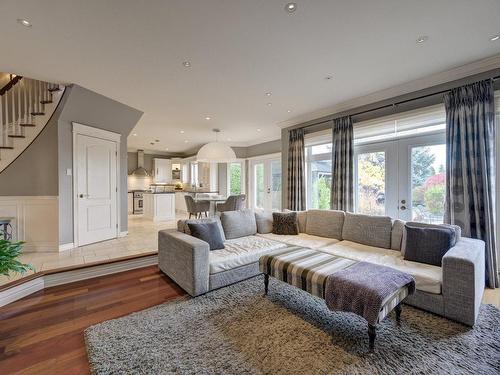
(239, 50)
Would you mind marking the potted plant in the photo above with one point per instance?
(9, 252)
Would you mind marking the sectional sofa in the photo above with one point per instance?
(453, 290)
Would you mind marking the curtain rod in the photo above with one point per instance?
(391, 105)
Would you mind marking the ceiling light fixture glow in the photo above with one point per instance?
(269, 104)
(24, 22)
(422, 39)
(135, 134)
(495, 38)
(289, 110)
(182, 131)
(291, 7)
(216, 151)
(269, 93)
(208, 118)
(258, 130)
(186, 64)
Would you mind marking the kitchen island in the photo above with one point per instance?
(159, 206)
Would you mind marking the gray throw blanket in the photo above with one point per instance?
(363, 287)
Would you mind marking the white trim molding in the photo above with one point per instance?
(66, 246)
(123, 234)
(21, 290)
(96, 132)
(35, 221)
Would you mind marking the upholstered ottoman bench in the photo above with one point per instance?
(314, 272)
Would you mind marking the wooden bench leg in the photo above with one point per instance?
(266, 284)
(398, 309)
(372, 334)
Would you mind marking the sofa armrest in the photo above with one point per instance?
(463, 280)
(185, 259)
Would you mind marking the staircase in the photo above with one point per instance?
(26, 106)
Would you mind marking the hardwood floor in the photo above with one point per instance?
(43, 333)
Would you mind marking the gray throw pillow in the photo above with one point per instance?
(264, 220)
(428, 245)
(208, 232)
(238, 224)
(285, 223)
(182, 225)
(456, 229)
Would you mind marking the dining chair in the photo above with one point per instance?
(196, 208)
(232, 203)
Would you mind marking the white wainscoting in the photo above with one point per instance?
(35, 221)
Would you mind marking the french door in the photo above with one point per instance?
(403, 179)
(265, 183)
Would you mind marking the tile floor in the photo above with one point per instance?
(141, 238)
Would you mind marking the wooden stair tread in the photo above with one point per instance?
(54, 89)
(28, 125)
(46, 102)
(16, 136)
(37, 113)
(6, 147)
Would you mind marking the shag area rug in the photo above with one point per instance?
(235, 330)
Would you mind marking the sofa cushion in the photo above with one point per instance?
(264, 221)
(325, 223)
(208, 232)
(182, 225)
(238, 223)
(285, 223)
(302, 240)
(397, 234)
(428, 278)
(368, 229)
(240, 252)
(428, 245)
(455, 228)
(301, 218)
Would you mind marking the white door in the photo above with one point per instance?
(265, 184)
(96, 189)
(402, 179)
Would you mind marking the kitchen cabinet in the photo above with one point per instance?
(180, 202)
(159, 206)
(162, 171)
(207, 175)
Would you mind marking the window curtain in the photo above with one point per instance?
(342, 191)
(296, 171)
(470, 173)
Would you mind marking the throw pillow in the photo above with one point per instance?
(182, 225)
(456, 230)
(238, 223)
(208, 232)
(264, 221)
(427, 245)
(285, 223)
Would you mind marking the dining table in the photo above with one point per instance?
(213, 199)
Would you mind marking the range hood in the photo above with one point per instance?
(140, 171)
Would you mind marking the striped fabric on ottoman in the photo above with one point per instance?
(309, 269)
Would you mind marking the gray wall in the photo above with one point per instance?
(34, 172)
(89, 108)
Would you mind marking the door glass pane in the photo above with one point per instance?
(276, 184)
(234, 178)
(319, 183)
(428, 176)
(259, 185)
(371, 183)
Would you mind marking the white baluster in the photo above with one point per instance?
(19, 107)
(1, 122)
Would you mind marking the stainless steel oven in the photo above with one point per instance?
(138, 202)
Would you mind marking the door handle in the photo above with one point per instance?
(83, 195)
(402, 208)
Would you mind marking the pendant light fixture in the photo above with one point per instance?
(216, 152)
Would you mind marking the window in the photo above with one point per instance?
(318, 171)
(235, 174)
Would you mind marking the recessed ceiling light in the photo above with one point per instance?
(186, 64)
(269, 93)
(229, 139)
(182, 131)
(258, 130)
(422, 39)
(495, 38)
(135, 134)
(289, 110)
(166, 149)
(291, 7)
(208, 118)
(186, 141)
(24, 22)
(269, 104)
(328, 78)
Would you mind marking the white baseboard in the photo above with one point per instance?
(66, 246)
(20, 291)
(123, 234)
(46, 281)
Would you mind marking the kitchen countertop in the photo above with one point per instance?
(162, 192)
